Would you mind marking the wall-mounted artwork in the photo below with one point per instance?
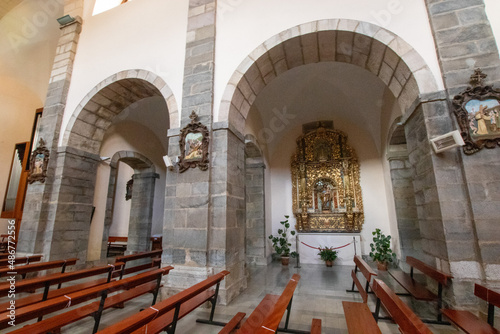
(478, 114)
(194, 145)
(38, 163)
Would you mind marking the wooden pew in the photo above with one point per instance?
(116, 246)
(21, 260)
(39, 266)
(102, 291)
(470, 323)
(167, 313)
(47, 281)
(366, 270)
(358, 316)
(408, 322)
(267, 316)
(420, 292)
(155, 261)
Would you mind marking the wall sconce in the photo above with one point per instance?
(447, 141)
(65, 20)
(168, 162)
(105, 160)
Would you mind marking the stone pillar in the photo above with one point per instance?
(255, 240)
(405, 204)
(464, 41)
(141, 212)
(35, 234)
(446, 225)
(187, 216)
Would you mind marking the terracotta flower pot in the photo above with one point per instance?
(329, 263)
(382, 266)
(285, 260)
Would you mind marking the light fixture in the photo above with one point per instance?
(65, 20)
(447, 141)
(168, 162)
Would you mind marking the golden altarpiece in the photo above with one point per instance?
(325, 181)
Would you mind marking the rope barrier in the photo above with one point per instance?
(328, 248)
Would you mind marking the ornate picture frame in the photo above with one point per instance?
(38, 163)
(478, 114)
(193, 143)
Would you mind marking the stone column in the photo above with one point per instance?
(141, 212)
(406, 207)
(35, 234)
(464, 41)
(255, 240)
(186, 225)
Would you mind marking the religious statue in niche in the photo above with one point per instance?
(194, 145)
(325, 181)
(38, 163)
(478, 114)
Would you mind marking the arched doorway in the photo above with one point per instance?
(357, 74)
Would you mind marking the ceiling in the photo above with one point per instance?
(349, 95)
(7, 5)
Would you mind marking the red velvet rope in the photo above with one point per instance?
(328, 248)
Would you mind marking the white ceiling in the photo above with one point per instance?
(344, 93)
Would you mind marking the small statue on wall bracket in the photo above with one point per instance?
(38, 163)
(478, 114)
(194, 145)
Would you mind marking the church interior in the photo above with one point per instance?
(230, 166)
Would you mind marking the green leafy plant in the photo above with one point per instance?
(280, 242)
(381, 247)
(328, 254)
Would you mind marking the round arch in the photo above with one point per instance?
(89, 121)
(363, 44)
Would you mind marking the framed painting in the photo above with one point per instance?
(193, 143)
(38, 163)
(478, 114)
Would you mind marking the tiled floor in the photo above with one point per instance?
(319, 294)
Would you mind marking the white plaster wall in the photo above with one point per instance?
(492, 8)
(149, 35)
(375, 197)
(125, 136)
(244, 25)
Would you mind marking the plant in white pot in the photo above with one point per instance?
(281, 244)
(381, 249)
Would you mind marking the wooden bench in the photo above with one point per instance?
(116, 246)
(470, 323)
(366, 270)
(134, 285)
(167, 313)
(358, 316)
(153, 255)
(400, 313)
(47, 281)
(267, 316)
(419, 291)
(20, 260)
(35, 267)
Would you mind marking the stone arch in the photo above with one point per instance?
(363, 44)
(94, 114)
(255, 238)
(142, 200)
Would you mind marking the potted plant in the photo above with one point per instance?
(328, 254)
(381, 249)
(281, 244)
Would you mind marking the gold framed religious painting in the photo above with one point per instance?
(478, 114)
(38, 163)
(193, 143)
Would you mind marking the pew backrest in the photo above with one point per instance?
(488, 295)
(142, 318)
(20, 260)
(435, 274)
(39, 266)
(406, 319)
(365, 269)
